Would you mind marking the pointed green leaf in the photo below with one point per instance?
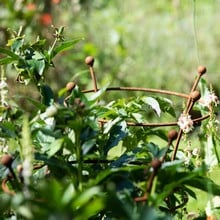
(166, 105)
(86, 196)
(205, 184)
(65, 46)
(117, 133)
(7, 129)
(54, 147)
(9, 53)
(153, 103)
(46, 94)
(6, 60)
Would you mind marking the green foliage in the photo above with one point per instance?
(77, 157)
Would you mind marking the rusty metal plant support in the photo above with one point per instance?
(191, 99)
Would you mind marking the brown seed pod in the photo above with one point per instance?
(201, 70)
(195, 95)
(6, 160)
(156, 164)
(70, 86)
(89, 61)
(172, 135)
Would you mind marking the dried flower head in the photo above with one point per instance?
(185, 122)
(209, 99)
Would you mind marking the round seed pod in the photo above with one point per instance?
(201, 70)
(89, 60)
(70, 86)
(195, 95)
(172, 135)
(6, 160)
(156, 164)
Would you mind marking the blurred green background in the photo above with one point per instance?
(143, 43)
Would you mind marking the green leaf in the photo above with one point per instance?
(9, 53)
(46, 94)
(118, 208)
(154, 150)
(107, 173)
(166, 105)
(85, 196)
(116, 151)
(210, 154)
(16, 43)
(34, 102)
(205, 184)
(190, 192)
(110, 124)
(88, 145)
(68, 194)
(67, 45)
(203, 86)
(54, 147)
(138, 117)
(117, 133)
(153, 214)
(8, 129)
(59, 167)
(93, 207)
(95, 96)
(24, 211)
(6, 60)
(153, 103)
(38, 45)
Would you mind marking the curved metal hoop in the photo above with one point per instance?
(140, 89)
(148, 90)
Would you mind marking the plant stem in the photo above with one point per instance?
(53, 45)
(79, 161)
